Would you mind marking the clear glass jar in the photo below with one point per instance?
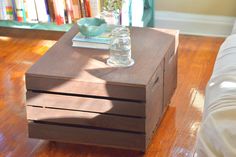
(120, 48)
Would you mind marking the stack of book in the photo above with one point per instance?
(98, 42)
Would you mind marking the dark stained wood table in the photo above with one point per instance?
(73, 96)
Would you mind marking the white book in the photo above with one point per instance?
(41, 11)
(95, 7)
(126, 12)
(3, 12)
(31, 11)
(137, 13)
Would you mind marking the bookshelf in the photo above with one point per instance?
(59, 15)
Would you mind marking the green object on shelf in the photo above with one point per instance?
(37, 26)
(91, 27)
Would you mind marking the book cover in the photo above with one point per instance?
(90, 45)
(104, 38)
(41, 9)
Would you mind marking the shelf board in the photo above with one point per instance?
(37, 26)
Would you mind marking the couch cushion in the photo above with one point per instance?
(234, 28)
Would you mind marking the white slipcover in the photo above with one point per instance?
(217, 135)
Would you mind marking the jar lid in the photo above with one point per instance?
(120, 31)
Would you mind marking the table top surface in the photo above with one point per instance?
(62, 61)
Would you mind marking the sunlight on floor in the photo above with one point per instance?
(197, 99)
(2, 38)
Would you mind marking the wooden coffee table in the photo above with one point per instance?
(73, 96)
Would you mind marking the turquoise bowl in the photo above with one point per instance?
(91, 27)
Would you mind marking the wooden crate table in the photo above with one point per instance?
(73, 96)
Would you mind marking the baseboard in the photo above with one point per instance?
(195, 24)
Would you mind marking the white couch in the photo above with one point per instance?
(217, 135)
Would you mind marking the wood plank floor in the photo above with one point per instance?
(175, 137)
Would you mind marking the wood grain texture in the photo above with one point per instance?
(62, 116)
(91, 76)
(77, 103)
(87, 136)
(177, 132)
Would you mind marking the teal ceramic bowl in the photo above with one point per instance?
(91, 27)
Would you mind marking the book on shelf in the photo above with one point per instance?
(20, 11)
(98, 42)
(6, 11)
(44, 11)
(76, 7)
(126, 13)
(69, 11)
(59, 12)
(95, 7)
(31, 15)
(51, 10)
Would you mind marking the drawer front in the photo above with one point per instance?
(154, 102)
(56, 85)
(87, 136)
(85, 119)
(89, 104)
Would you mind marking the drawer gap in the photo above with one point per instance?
(111, 114)
(87, 96)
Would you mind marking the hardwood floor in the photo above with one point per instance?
(175, 137)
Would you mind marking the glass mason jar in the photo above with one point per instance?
(120, 48)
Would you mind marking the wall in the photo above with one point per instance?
(208, 7)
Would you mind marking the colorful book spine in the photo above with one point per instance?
(20, 12)
(83, 10)
(87, 8)
(41, 9)
(76, 10)
(59, 12)
(69, 10)
(9, 10)
(31, 14)
(51, 10)
(14, 9)
(95, 7)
